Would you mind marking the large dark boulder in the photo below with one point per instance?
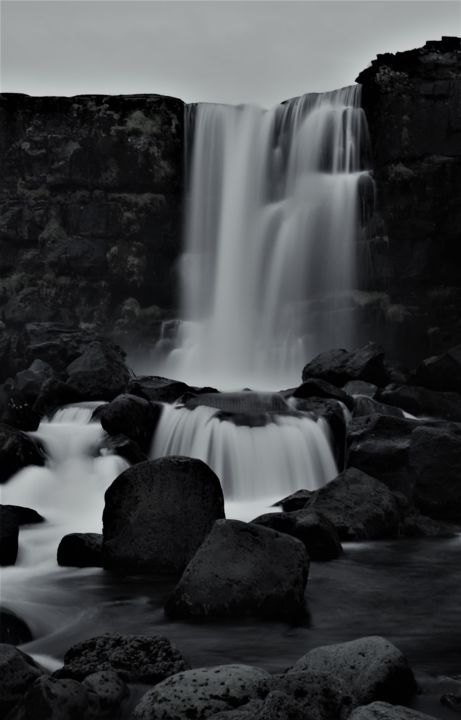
(435, 461)
(157, 513)
(340, 366)
(9, 534)
(132, 416)
(359, 506)
(17, 450)
(386, 711)
(13, 630)
(314, 387)
(318, 695)
(80, 550)
(371, 668)
(23, 515)
(99, 373)
(17, 673)
(136, 658)
(243, 569)
(200, 693)
(421, 401)
(316, 532)
(364, 405)
(51, 699)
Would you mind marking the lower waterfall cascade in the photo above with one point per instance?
(272, 223)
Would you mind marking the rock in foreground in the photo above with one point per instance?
(316, 532)
(17, 672)
(339, 367)
(243, 569)
(371, 667)
(157, 513)
(17, 450)
(80, 550)
(384, 711)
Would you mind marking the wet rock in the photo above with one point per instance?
(16, 410)
(318, 535)
(276, 706)
(29, 382)
(17, 450)
(340, 366)
(126, 448)
(364, 405)
(295, 501)
(80, 550)
(451, 701)
(333, 412)
(315, 387)
(385, 711)
(200, 693)
(359, 387)
(421, 401)
(157, 389)
(359, 506)
(52, 699)
(441, 372)
(22, 515)
(13, 630)
(99, 373)
(243, 569)
(132, 416)
(157, 513)
(17, 673)
(53, 395)
(435, 461)
(9, 534)
(319, 695)
(135, 658)
(370, 667)
(110, 690)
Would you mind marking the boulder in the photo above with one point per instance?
(110, 690)
(200, 693)
(316, 532)
(441, 372)
(243, 569)
(435, 462)
(295, 501)
(132, 416)
(359, 506)
(359, 387)
(319, 695)
(379, 446)
(80, 550)
(53, 394)
(275, 706)
(16, 410)
(385, 711)
(123, 446)
(157, 389)
(135, 658)
(364, 405)
(421, 401)
(17, 450)
(314, 387)
(22, 515)
(99, 373)
(157, 513)
(9, 534)
(370, 667)
(17, 673)
(51, 699)
(13, 630)
(29, 382)
(340, 366)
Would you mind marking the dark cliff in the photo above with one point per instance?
(90, 209)
(413, 104)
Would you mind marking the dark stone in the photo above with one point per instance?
(157, 513)
(136, 658)
(126, 448)
(243, 569)
(9, 534)
(371, 668)
(386, 711)
(295, 501)
(29, 382)
(99, 373)
(316, 532)
(451, 701)
(16, 410)
(318, 694)
(22, 515)
(80, 550)
(435, 461)
(13, 630)
(321, 389)
(51, 699)
(364, 405)
(17, 673)
(53, 395)
(421, 401)
(110, 690)
(157, 389)
(331, 411)
(359, 387)
(442, 372)
(200, 693)
(359, 506)
(340, 366)
(17, 450)
(132, 416)
(245, 403)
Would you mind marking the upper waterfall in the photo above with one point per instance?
(271, 229)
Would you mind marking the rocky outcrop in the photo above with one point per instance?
(412, 102)
(90, 209)
(18, 671)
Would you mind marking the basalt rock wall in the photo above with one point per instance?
(413, 253)
(91, 194)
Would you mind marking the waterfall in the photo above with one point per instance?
(272, 223)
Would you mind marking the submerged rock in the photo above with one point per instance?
(243, 569)
(316, 532)
(340, 366)
(157, 513)
(17, 450)
(80, 550)
(200, 693)
(370, 667)
(136, 658)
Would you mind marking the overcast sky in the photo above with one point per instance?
(248, 51)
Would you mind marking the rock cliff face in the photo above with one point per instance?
(90, 209)
(413, 104)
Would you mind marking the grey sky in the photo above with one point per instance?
(217, 51)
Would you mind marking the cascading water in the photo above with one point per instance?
(272, 224)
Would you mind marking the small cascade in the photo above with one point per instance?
(258, 462)
(271, 233)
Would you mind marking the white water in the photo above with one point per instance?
(256, 465)
(271, 230)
